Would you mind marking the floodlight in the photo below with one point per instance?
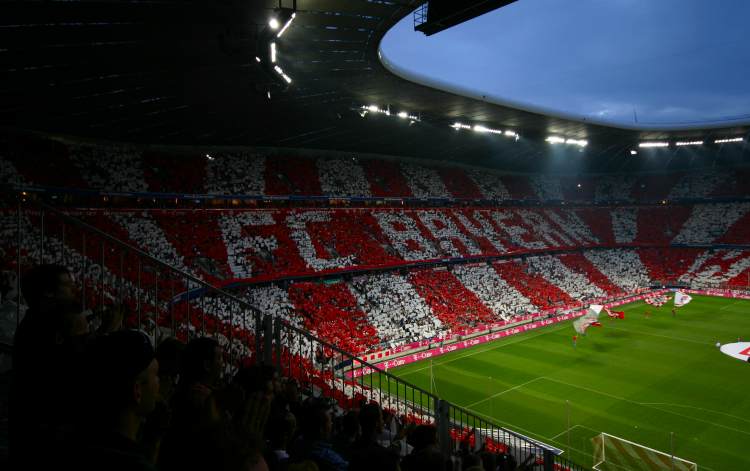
(727, 141)
(286, 25)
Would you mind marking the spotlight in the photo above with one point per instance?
(653, 144)
(688, 143)
(577, 142)
(286, 25)
(633, 152)
(273, 23)
(283, 75)
(273, 53)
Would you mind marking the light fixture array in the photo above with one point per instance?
(478, 128)
(568, 141)
(652, 144)
(729, 140)
(646, 145)
(364, 109)
(273, 53)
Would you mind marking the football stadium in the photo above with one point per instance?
(374, 235)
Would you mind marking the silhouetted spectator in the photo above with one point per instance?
(348, 434)
(367, 453)
(48, 353)
(426, 453)
(313, 445)
(125, 380)
(195, 410)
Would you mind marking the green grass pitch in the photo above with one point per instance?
(638, 378)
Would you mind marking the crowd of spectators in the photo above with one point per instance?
(717, 267)
(115, 168)
(577, 285)
(424, 182)
(394, 308)
(129, 406)
(622, 267)
(433, 302)
(547, 187)
(234, 173)
(342, 177)
(708, 222)
(126, 168)
(493, 291)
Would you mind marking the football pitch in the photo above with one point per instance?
(637, 378)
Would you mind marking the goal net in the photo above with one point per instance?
(617, 454)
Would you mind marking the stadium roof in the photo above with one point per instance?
(176, 72)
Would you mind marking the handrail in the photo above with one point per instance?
(525, 202)
(354, 357)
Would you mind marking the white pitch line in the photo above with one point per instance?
(696, 408)
(568, 430)
(502, 392)
(546, 330)
(659, 335)
(645, 404)
(730, 305)
(573, 428)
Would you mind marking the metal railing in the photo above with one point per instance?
(164, 300)
(153, 295)
(420, 14)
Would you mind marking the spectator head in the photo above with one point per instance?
(350, 425)
(44, 284)
(280, 430)
(69, 321)
(472, 462)
(423, 436)
(317, 422)
(169, 355)
(256, 379)
(371, 419)
(126, 373)
(202, 362)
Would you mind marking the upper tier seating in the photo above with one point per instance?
(126, 168)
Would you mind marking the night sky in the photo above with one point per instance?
(664, 63)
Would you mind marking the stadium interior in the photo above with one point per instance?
(251, 173)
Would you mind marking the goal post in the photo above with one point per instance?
(613, 453)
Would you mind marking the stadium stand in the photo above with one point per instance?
(486, 266)
(275, 246)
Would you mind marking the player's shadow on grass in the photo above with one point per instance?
(600, 347)
(618, 334)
